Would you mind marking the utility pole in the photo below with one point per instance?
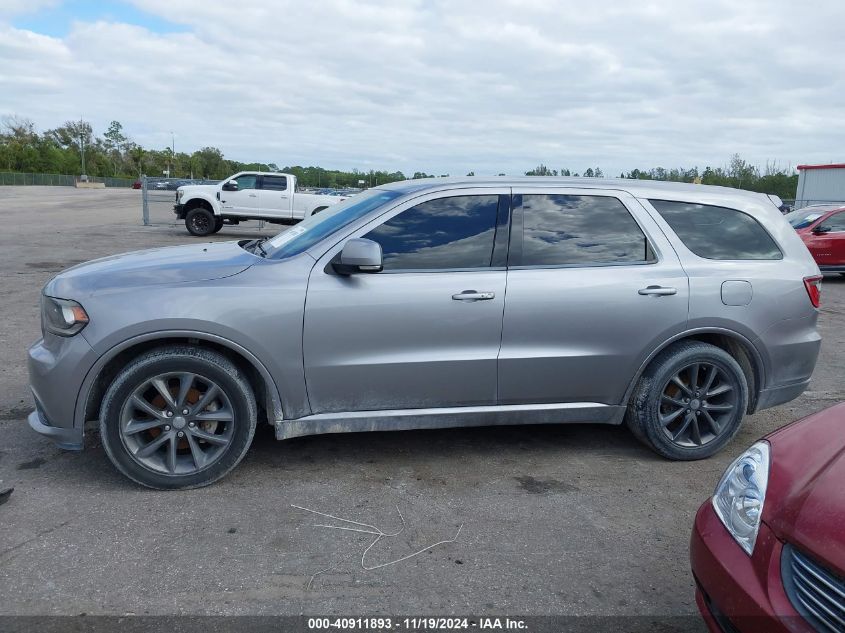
(82, 150)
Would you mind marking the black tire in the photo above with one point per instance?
(656, 414)
(318, 209)
(200, 222)
(218, 224)
(231, 438)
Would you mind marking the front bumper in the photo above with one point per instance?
(70, 439)
(57, 367)
(737, 592)
(179, 210)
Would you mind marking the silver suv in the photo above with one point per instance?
(673, 308)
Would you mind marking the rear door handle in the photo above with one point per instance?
(253, 195)
(472, 295)
(658, 291)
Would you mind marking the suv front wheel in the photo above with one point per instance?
(178, 417)
(689, 402)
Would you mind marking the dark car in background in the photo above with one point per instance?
(822, 228)
(768, 549)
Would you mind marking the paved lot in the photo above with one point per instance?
(556, 520)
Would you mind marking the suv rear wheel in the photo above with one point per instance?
(178, 417)
(689, 402)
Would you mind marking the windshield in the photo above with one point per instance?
(803, 218)
(317, 227)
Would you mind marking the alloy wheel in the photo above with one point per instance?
(177, 423)
(697, 404)
(200, 223)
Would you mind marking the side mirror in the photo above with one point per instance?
(231, 185)
(359, 255)
(821, 229)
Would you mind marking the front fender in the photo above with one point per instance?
(190, 202)
(274, 401)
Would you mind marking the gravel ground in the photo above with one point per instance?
(576, 520)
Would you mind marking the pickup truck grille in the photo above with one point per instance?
(816, 592)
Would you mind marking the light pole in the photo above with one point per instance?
(172, 154)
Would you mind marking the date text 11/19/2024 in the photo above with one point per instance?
(417, 624)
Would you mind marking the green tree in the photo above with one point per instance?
(541, 170)
(114, 141)
(76, 136)
(211, 163)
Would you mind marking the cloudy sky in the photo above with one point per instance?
(443, 86)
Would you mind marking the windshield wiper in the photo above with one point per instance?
(256, 245)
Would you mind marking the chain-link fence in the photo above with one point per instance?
(58, 180)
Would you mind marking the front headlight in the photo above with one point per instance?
(738, 500)
(62, 316)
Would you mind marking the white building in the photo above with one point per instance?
(820, 184)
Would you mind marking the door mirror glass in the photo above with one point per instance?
(821, 229)
(359, 255)
(231, 185)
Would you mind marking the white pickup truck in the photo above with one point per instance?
(248, 195)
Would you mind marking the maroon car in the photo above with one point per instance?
(822, 228)
(768, 549)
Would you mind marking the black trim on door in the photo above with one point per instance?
(515, 248)
(502, 237)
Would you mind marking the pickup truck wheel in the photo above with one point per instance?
(218, 224)
(178, 417)
(200, 222)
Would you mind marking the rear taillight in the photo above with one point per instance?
(814, 289)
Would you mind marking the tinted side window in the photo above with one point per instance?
(456, 232)
(275, 183)
(836, 222)
(718, 232)
(566, 229)
(247, 181)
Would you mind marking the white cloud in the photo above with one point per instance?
(15, 7)
(452, 86)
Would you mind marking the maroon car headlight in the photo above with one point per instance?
(739, 497)
(62, 316)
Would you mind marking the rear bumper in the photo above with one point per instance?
(778, 395)
(737, 592)
(793, 347)
(840, 268)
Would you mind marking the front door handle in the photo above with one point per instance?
(658, 291)
(253, 195)
(472, 295)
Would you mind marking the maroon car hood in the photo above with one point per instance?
(805, 501)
